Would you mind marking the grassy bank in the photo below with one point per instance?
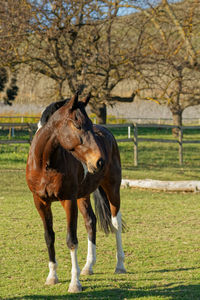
(161, 248)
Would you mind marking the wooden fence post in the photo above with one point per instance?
(180, 142)
(135, 140)
(9, 134)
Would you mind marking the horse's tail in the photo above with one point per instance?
(102, 210)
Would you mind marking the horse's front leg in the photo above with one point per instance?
(90, 224)
(70, 207)
(45, 212)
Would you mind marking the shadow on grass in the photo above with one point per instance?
(128, 292)
(172, 270)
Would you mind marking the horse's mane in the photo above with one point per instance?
(49, 111)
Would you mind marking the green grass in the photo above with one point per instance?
(13, 156)
(161, 247)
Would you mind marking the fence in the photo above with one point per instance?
(136, 139)
(31, 128)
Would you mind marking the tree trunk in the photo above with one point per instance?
(177, 120)
(100, 111)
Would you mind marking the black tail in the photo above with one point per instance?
(102, 210)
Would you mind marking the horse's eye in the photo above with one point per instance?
(78, 126)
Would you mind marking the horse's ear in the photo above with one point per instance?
(73, 102)
(86, 99)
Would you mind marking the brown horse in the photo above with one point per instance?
(69, 159)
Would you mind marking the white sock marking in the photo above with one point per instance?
(117, 224)
(52, 276)
(91, 258)
(75, 272)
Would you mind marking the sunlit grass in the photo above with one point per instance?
(13, 156)
(161, 247)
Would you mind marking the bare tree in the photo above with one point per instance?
(14, 29)
(14, 23)
(75, 43)
(88, 44)
(169, 63)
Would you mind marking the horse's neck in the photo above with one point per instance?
(44, 145)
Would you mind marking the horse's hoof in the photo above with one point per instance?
(120, 271)
(51, 281)
(75, 288)
(86, 272)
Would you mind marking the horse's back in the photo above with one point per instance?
(106, 138)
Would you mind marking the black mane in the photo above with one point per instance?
(50, 110)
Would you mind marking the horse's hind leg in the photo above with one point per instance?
(90, 224)
(46, 216)
(113, 195)
(117, 224)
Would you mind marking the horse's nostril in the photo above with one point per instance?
(100, 163)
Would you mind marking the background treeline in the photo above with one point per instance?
(154, 46)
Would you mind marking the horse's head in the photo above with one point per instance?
(74, 131)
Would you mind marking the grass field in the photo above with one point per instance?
(161, 247)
